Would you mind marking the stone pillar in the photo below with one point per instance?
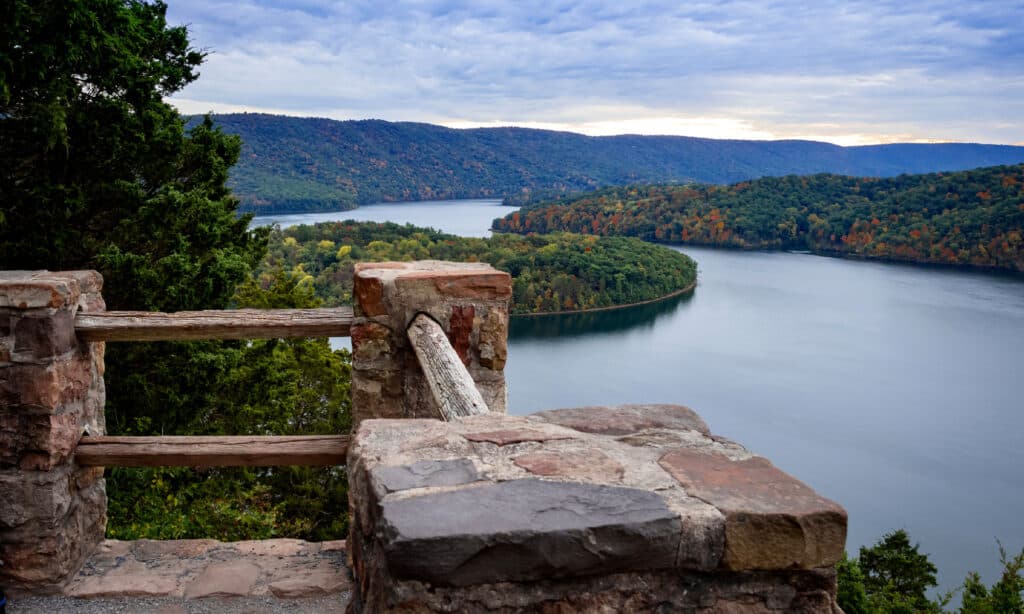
(469, 300)
(52, 512)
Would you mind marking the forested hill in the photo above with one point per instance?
(973, 218)
(297, 164)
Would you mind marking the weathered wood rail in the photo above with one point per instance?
(451, 384)
(214, 324)
(53, 326)
(206, 451)
(453, 388)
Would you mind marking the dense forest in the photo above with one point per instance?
(973, 218)
(557, 272)
(305, 164)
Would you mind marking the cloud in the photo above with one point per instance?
(922, 69)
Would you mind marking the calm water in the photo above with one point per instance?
(466, 218)
(892, 389)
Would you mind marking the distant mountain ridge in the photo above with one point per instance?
(308, 164)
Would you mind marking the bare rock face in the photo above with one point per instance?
(633, 508)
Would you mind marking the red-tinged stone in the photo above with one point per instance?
(497, 285)
(42, 338)
(772, 520)
(370, 341)
(587, 465)
(482, 283)
(625, 419)
(37, 442)
(369, 293)
(35, 294)
(505, 437)
(460, 329)
(46, 386)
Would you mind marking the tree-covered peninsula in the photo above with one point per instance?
(970, 218)
(550, 273)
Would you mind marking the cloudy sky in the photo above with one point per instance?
(845, 72)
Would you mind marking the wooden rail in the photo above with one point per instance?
(239, 451)
(220, 324)
(453, 388)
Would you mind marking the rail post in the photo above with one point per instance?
(52, 511)
(470, 301)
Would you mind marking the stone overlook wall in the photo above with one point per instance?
(52, 513)
(469, 301)
(609, 509)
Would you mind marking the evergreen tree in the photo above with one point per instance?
(896, 575)
(97, 171)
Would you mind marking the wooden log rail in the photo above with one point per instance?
(451, 384)
(189, 451)
(218, 324)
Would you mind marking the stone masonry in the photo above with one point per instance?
(469, 300)
(595, 509)
(52, 513)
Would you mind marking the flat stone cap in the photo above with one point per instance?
(399, 284)
(575, 492)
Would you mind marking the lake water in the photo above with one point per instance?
(893, 389)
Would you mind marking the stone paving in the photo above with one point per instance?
(136, 575)
(579, 509)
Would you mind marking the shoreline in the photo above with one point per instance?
(673, 294)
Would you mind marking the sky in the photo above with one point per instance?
(849, 73)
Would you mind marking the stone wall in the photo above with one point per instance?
(470, 301)
(635, 508)
(52, 513)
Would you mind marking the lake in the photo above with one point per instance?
(893, 389)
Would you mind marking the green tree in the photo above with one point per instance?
(1006, 596)
(269, 387)
(851, 594)
(896, 575)
(97, 171)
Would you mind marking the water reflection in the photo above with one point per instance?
(596, 323)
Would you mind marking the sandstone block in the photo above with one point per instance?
(228, 579)
(311, 583)
(509, 436)
(38, 442)
(46, 387)
(772, 520)
(369, 294)
(41, 337)
(587, 465)
(625, 419)
(494, 340)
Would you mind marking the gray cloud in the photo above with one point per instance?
(845, 71)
